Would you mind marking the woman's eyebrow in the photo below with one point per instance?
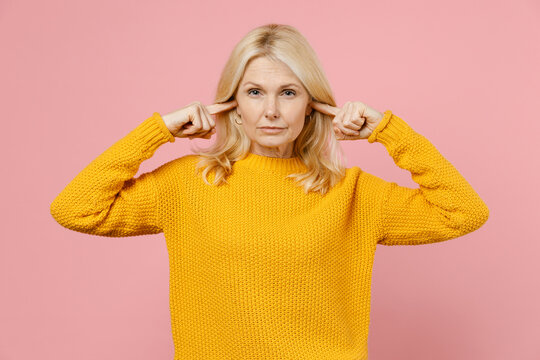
(286, 85)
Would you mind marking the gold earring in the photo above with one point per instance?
(235, 120)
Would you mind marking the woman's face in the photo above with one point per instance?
(270, 94)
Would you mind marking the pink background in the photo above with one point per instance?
(78, 76)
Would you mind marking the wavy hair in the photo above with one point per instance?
(316, 145)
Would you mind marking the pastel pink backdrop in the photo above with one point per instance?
(78, 76)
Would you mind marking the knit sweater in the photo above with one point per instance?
(258, 268)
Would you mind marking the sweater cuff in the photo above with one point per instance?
(389, 130)
(153, 132)
(170, 137)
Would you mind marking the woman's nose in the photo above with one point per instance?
(271, 109)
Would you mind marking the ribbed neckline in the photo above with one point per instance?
(261, 162)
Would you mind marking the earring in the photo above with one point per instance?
(235, 120)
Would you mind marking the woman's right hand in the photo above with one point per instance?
(195, 120)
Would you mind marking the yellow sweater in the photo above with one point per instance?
(258, 268)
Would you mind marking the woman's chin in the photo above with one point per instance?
(271, 142)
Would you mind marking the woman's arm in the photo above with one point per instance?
(445, 206)
(105, 199)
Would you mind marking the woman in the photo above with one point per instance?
(271, 258)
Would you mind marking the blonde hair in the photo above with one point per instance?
(316, 145)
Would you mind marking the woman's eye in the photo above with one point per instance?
(286, 91)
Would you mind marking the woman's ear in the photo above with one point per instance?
(237, 107)
(309, 109)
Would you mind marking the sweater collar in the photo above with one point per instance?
(276, 164)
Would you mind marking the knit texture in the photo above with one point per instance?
(258, 268)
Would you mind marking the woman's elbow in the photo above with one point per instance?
(476, 217)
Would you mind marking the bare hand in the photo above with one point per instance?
(195, 120)
(354, 121)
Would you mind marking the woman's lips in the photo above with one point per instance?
(271, 130)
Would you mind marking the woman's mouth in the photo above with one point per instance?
(271, 129)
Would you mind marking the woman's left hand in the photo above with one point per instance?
(355, 120)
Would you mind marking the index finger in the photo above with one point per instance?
(325, 108)
(220, 107)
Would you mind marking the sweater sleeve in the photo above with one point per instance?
(105, 199)
(445, 206)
